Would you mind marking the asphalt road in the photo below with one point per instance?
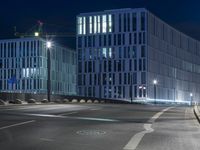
(98, 127)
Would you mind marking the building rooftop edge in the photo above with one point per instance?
(114, 10)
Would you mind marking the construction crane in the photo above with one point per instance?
(37, 31)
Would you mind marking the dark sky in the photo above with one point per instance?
(59, 15)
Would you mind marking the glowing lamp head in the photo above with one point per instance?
(37, 34)
(49, 44)
(191, 94)
(155, 82)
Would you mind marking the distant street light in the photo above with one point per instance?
(191, 97)
(155, 82)
(48, 46)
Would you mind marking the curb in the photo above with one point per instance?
(197, 113)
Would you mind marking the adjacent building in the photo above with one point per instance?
(23, 67)
(121, 52)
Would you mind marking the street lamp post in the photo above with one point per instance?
(191, 97)
(155, 82)
(131, 88)
(48, 45)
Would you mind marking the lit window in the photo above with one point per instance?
(110, 52)
(109, 23)
(95, 24)
(84, 25)
(104, 24)
(90, 24)
(99, 24)
(80, 23)
(104, 53)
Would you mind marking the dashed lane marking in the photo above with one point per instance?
(17, 124)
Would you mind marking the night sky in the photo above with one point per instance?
(59, 15)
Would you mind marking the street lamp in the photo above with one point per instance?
(131, 88)
(191, 97)
(155, 82)
(48, 46)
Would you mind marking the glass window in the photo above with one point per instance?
(110, 52)
(143, 51)
(119, 65)
(90, 24)
(119, 39)
(144, 64)
(135, 38)
(98, 24)
(120, 23)
(84, 25)
(135, 65)
(109, 23)
(80, 23)
(113, 23)
(115, 66)
(120, 78)
(79, 42)
(124, 22)
(134, 23)
(130, 38)
(104, 52)
(104, 23)
(142, 21)
(125, 78)
(95, 24)
(140, 38)
(109, 40)
(134, 54)
(143, 78)
(140, 64)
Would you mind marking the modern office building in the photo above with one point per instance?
(131, 54)
(23, 67)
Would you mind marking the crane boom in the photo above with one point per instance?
(37, 31)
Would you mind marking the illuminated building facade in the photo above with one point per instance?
(121, 52)
(23, 67)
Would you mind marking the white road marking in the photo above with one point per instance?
(70, 113)
(97, 119)
(96, 109)
(46, 115)
(46, 139)
(80, 118)
(135, 140)
(17, 124)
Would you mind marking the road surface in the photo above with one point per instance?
(98, 127)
